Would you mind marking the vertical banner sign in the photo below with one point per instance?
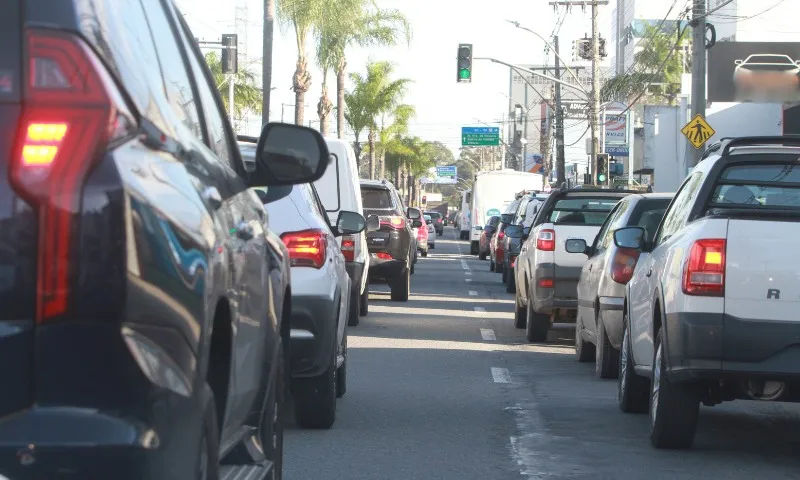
(615, 126)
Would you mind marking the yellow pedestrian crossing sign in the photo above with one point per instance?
(697, 131)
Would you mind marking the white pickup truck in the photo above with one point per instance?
(712, 315)
(546, 275)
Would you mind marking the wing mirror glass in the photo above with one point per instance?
(506, 218)
(575, 245)
(514, 231)
(413, 213)
(416, 223)
(349, 223)
(287, 155)
(629, 237)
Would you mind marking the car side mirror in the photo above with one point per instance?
(373, 223)
(491, 230)
(576, 245)
(513, 231)
(416, 223)
(349, 223)
(629, 237)
(413, 213)
(526, 232)
(506, 218)
(287, 155)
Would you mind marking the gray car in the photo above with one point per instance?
(601, 288)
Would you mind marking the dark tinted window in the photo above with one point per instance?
(175, 77)
(648, 215)
(758, 186)
(433, 215)
(376, 198)
(582, 211)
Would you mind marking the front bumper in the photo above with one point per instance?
(715, 345)
(313, 329)
(563, 295)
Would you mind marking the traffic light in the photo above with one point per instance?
(464, 73)
(424, 200)
(602, 169)
(230, 58)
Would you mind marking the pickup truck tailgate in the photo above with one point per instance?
(568, 265)
(762, 290)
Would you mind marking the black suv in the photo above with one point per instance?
(438, 225)
(392, 246)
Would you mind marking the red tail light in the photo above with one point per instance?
(513, 262)
(623, 264)
(349, 248)
(438, 220)
(395, 222)
(307, 248)
(71, 112)
(704, 273)
(501, 236)
(383, 255)
(546, 282)
(546, 240)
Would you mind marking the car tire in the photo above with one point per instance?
(511, 281)
(441, 233)
(584, 351)
(473, 249)
(315, 398)
(355, 307)
(401, 287)
(606, 362)
(504, 275)
(363, 307)
(499, 267)
(520, 314)
(536, 324)
(674, 408)
(208, 454)
(341, 372)
(482, 256)
(632, 390)
(432, 246)
(271, 428)
(491, 264)
(424, 253)
(411, 271)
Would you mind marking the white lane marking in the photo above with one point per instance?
(500, 375)
(467, 280)
(488, 334)
(480, 309)
(464, 265)
(473, 293)
(467, 273)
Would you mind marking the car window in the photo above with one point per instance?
(678, 211)
(606, 233)
(582, 211)
(376, 198)
(758, 187)
(177, 86)
(427, 218)
(316, 202)
(648, 214)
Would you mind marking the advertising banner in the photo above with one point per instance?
(754, 72)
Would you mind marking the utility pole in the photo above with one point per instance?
(559, 121)
(698, 67)
(594, 94)
(266, 72)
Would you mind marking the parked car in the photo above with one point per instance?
(526, 210)
(431, 227)
(546, 274)
(486, 236)
(422, 233)
(711, 315)
(438, 221)
(143, 326)
(601, 288)
(392, 248)
(340, 190)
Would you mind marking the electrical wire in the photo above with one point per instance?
(738, 19)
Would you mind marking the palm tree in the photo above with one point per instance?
(302, 15)
(247, 97)
(353, 22)
(393, 125)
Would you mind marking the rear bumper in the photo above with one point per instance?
(714, 345)
(385, 269)
(311, 335)
(564, 293)
(611, 312)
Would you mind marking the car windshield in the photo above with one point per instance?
(427, 218)
(582, 211)
(376, 198)
(777, 59)
(763, 186)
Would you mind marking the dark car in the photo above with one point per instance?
(438, 221)
(142, 328)
(392, 247)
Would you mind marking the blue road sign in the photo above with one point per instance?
(480, 136)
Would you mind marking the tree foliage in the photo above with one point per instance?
(247, 97)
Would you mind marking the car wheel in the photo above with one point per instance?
(424, 253)
(520, 313)
(341, 372)
(411, 271)
(473, 249)
(491, 264)
(401, 287)
(511, 283)
(355, 307)
(632, 389)
(208, 455)
(482, 256)
(674, 408)
(432, 246)
(536, 324)
(505, 275)
(498, 267)
(315, 398)
(364, 305)
(271, 428)
(584, 351)
(606, 362)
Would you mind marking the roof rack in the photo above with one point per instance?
(786, 140)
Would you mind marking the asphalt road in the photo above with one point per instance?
(444, 387)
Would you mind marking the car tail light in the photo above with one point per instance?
(546, 282)
(513, 262)
(623, 264)
(383, 255)
(501, 236)
(395, 222)
(704, 272)
(546, 240)
(71, 111)
(438, 220)
(307, 248)
(349, 248)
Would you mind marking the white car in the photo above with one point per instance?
(431, 231)
(712, 314)
(766, 77)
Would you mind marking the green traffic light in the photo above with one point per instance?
(463, 74)
(601, 178)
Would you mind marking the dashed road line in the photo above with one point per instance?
(467, 280)
(488, 334)
(473, 293)
(467, 272)
(479, 309)
(464, 265)
(501, 375)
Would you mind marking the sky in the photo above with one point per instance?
(438, 26)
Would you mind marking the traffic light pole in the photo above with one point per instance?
(560, 160)
(698, 67)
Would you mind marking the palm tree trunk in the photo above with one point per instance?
(324, 106)
(383, 165)
(266, 78)
(371, 140)
(301, 82)
(340, 77)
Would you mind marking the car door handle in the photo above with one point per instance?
(211, 195)
(649, 272)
